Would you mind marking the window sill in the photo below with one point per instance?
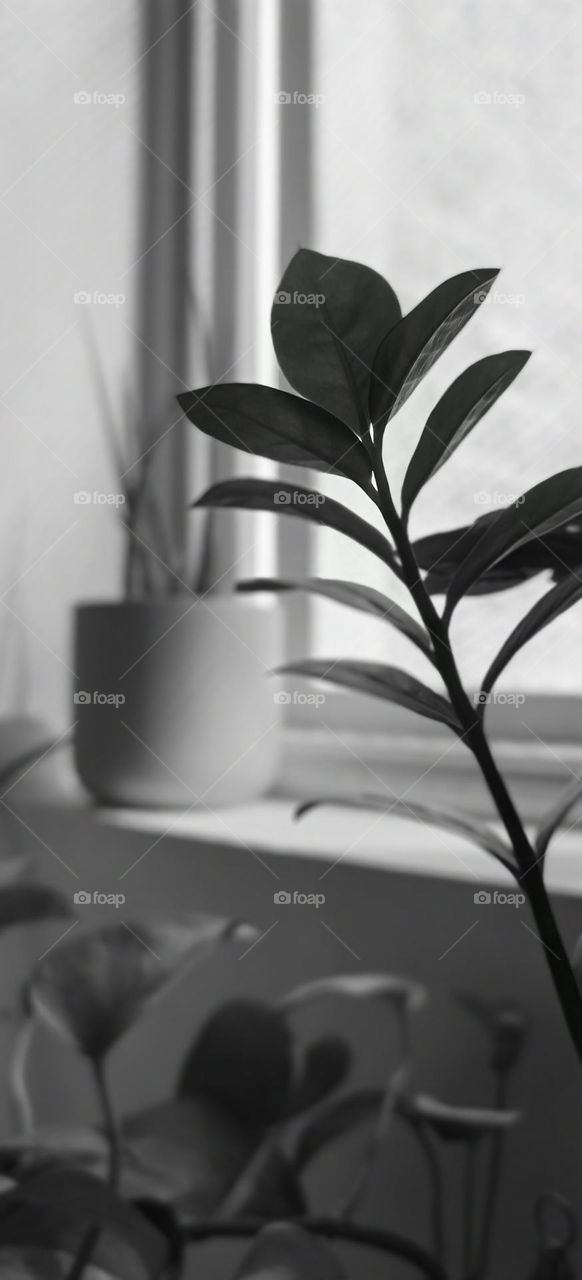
(52, 799)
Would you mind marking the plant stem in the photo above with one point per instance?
(110, 1122)
(437, 1208)
(86, 1250)
(386, 1241)
(493, 1181)
(19, 1094)
(90, 1240)
(469, 1208)
(565, 984)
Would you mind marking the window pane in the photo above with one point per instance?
(435, 153)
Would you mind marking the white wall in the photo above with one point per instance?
(68, 222)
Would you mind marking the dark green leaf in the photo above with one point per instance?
(31, 1263)
(462, 825)
(335, 1120)
(243, 1060)
(379, 681)
(543, 508)
(268, 1188)
(85, 1148)
(187, 1152)
(555, 817)
(457, 412)
(411, 348)
(357, 597)
(55, 1209)
(284, 1252)
(458, 1124)
(387, 987)
(326, 349)
(29, 903)
(325, 1066)
(273, 424)
(555, 602)
(290, 500)
(441, 554)
(93, 987)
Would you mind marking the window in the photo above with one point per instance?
(433, 152)
(415, 156)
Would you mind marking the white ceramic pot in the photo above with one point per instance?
(174, 704)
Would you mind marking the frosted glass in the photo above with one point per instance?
(420, 178)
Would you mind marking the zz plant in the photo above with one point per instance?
(355, 360)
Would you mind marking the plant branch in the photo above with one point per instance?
(565, 984)
(435, 1176)
(493, 1179)
(386, 1241)
(109, 1120)
(85, 1254)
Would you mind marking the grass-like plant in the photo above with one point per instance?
(157, 563)
(343, 344)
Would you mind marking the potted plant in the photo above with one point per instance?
(358, 363)
(256, 1103)
(172, 706)
(355, 372)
